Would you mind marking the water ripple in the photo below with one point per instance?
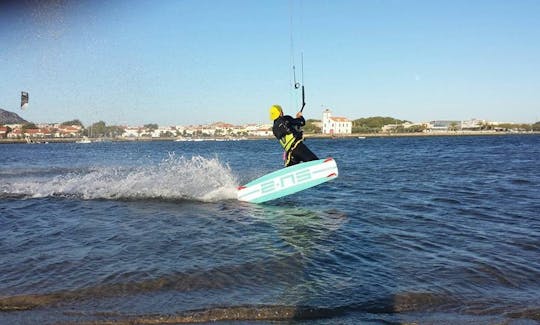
(415, 230)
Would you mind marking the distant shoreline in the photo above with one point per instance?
(307, 135)
(419, 134)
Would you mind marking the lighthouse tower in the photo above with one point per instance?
(327, 122)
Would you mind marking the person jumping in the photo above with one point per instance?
(288, 131)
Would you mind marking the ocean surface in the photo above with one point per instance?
(424, 230)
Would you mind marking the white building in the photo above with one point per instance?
(132, 132)
(472, 124)
(261, 131)
(335, 125)
(163, 131)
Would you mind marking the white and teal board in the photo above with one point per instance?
(288, 180)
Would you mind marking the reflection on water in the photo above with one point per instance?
(303, 229)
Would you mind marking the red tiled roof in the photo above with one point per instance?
(71, 129)
(222, 125)
(339, 119)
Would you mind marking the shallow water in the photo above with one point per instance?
(428, 229)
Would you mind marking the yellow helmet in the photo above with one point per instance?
(275, 112)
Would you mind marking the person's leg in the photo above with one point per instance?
(302, 153)
(291, 159)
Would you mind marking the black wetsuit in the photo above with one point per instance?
(288, 131)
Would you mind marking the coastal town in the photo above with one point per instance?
(328, 126)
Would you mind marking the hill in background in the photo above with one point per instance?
(7, 117)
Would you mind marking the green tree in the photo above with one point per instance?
(373, 124)
(151, 127)
(485, 126)
(114, 131)
(536, 126)
(8, 129)
(28, 126)
(72, 122)
(364, 129)
(311, 126)
(98, 129)
(518, 127)
(415, 129)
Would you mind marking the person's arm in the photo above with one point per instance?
(299, 120)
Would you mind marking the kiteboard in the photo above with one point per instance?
(288, 180)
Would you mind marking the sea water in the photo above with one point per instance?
(414, 229)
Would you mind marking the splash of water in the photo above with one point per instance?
(174, 178)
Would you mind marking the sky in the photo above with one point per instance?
(202, 61)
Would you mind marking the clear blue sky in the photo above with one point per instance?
(201, 61)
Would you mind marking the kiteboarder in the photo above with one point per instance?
(289, 133)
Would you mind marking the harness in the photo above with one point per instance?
(287, 141)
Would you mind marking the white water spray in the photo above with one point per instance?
(175, 178)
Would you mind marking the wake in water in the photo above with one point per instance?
(175, 178)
